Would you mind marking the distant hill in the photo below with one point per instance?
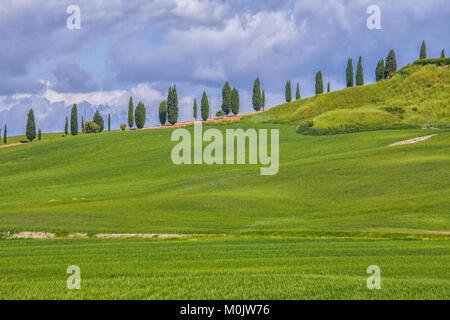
(415, 96)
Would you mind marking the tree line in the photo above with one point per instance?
(169, 110)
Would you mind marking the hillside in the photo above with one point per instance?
(126, 182)
(415, 96)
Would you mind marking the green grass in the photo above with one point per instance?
(421, 94)
(338, 204)
(224, 269)
(126, 182)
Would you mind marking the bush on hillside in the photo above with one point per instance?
(438, 62)
(220, 113)
(123, 126)
(91, 127)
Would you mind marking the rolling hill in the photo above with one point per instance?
(416, 96)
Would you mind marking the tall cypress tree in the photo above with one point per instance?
(263, 99)
(39, 134)
(204, 106)
(109, 122)
(423, 51)
(288, 91)
(328, 87)
(379, 71)
(31, 126)
(297, 92)
(98, 119)
(360, 73)
(235, 103)
(82, 124)
(195, 109)
(66, 127)
(130, 113)
(319, 83)
(256, 97)
(5, 134)
(442, 53)
(163, 112)
(349, 73)
(391, 64)
(172, 105)
(226, 98)
(74, 120)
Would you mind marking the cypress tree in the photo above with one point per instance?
(423, 51)
(349, 73)
(319, 83)
(391, 64)
(256, 98)
(235, 103)
(297, 93)
(163, 112)
(74, 120)
(172, 105)
(5, 134)
(379, 71)
(39, 134)
(31, 126)
(130, 113)
(140, 115)
(329, 87)
(288, 91)
(263, 99)
(66, 127)
(109, 122)
(98, 119)
(195, 109)
(442, 53)
(226, 98)
(360, 73)
(204, 106)
(82, 124)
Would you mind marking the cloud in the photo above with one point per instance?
(71, 78)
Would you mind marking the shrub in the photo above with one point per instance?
(438, 62)
(220, 113)
(91, 127)
(39, 134)
(123, 126)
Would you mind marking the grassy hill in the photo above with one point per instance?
(126, 182)
(415, 96)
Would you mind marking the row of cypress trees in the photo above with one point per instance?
(137, 116)
(230, 100)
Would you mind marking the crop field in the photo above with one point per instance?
(224, 269)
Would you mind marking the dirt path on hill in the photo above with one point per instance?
(410, 141)
(215, 120)
(11, 145)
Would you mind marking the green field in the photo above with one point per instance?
(224, 269)
(350, 182)
(338, 204)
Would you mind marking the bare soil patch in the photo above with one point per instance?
(410, 141)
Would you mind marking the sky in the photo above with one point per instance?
(139, 48)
